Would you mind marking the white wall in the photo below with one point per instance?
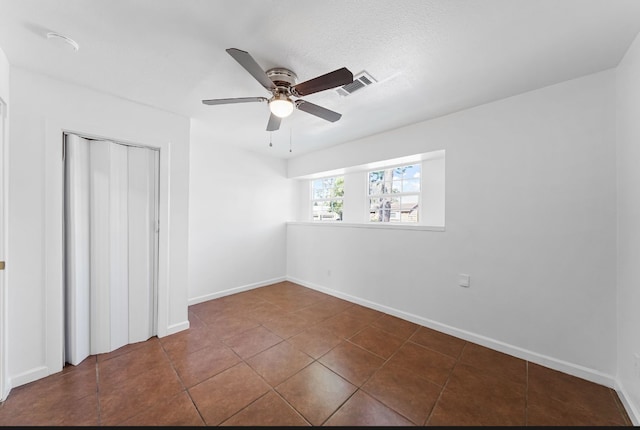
(530, 216)
(41, 109)
(628, 156)
(4, 76)
(239, 204)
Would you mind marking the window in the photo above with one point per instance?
(326, 198)
(394, 194)
(403, 193)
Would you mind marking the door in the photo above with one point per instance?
(111, 200)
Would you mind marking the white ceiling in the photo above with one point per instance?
(430, 58)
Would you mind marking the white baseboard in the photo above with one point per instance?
(533, 357)
(632, 411)
(175, 328)
(234, 290)
(6, 390)
(29, 376)
(43, 371)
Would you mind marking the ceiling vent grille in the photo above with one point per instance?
(360, 81)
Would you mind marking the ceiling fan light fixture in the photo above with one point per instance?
(281, 106)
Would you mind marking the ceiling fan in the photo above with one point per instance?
(281, 83)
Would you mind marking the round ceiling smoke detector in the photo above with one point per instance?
(67, 40)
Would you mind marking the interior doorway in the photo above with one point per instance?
(111, 192)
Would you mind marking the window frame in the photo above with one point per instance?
(391, 195)
(329, 199)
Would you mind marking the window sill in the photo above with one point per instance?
(383, 226)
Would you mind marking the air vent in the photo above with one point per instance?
(359, 82)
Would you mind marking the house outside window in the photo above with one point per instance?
(394, 194)
(327, 196)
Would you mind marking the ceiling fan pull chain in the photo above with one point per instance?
(290, 144)
(270, 134)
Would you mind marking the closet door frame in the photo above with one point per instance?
(54, 244)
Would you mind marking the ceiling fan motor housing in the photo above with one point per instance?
(282, 77)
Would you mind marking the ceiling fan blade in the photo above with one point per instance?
(274, 123)
(252, 67)
(235, 100)
(318, 111)
(330, 80)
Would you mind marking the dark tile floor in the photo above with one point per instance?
(285, 355)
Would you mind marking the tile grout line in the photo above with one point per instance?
(260, 324)
(99, 411)
(212, 376)
(317, 360)
(287, 402)
(186, 389)
(407, 340)
(271, 388)
(359, 388)
(340, 405)
(383, 364)
(390, 357)
(445, 384)
(314, 360)
(286, 379)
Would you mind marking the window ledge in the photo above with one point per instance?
(384, 226)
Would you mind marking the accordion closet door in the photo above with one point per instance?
(111, 245)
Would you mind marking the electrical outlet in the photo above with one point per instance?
(329, 272)
(464, 280)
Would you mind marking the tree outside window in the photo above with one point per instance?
(327, 196)
(394, 194)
